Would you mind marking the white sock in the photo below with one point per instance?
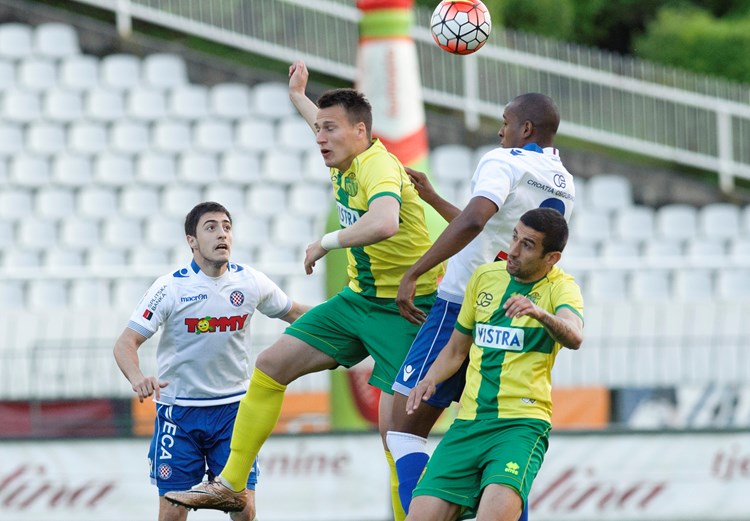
(402, 443)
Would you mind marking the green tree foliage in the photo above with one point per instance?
(695, 40)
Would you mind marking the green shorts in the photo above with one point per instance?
(350, 327)
(477, 453)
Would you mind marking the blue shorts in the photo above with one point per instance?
(430, 340)
(190, 443)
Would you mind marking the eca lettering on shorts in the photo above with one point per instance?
(347, 216)
(166, 440)
(497, 337)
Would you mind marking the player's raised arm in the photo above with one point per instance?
(297, 83)
(428, 194)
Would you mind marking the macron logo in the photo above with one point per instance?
(408, 371)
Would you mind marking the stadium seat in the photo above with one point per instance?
(719, 220)
(7, 75)
(43, 294)
(45, 138)
(240, 167)
(608, 192)
(607, 285)
(146, 104)
(310, 200)
(265, 199)
(11, 139)
(633, 223)
(139, 201)
(165, 232)
(104, 105)
(314, 169)
(54, 202)
(691, 284)
(198, 168)
(62, 106)
(676, 221)
(295, 134)
(213, 135)
(271, 100)
(56, 257)
(733, 283)
(292, 230)
(113, 169)
(16, 41)
(122, 232)
(699, 249)
(79, 233)
(650, 284)
(97, 202)
(127, 293)
(36, 74)
(451, 163)
(7, 234)
(231, 197)
(129, 137)
(481, 150)
(14, 294)
(281, 166)
(164, 71)
(252, 230)
(172, 136)
(739, 249)
(255, 134)
(72, 170)
(21, 106)
(229, 100)
(619, 249)
(55, 40)
(309, 289)
(189, 102)
(180, 255)
(79, 72)
(19, 257)
(279, 254)
(16, 203)
(37, 234)
(155, 169)
(120, 71)
(88, 137)
(178, 200)
(29, 171)
(90, 293)
(590, 226)
(150, 257)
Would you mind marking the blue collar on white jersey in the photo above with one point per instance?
(194, 265)
(533, 147)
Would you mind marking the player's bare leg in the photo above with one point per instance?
(499, 503)
(170, 512)
(429, 508)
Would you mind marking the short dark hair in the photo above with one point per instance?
(540, 110)
(552, 224)
(194, 216)
(357, 108)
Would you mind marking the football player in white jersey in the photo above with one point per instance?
(525, 173)
(203, 364)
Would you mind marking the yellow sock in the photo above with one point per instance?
(398, 510)
(257, 416)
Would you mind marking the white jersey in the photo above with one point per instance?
(516, 180)
(202, 351)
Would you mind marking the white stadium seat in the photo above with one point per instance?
(89, 294)
(165, 232)
(36, 74)
(608, 192)
(45, 138)
(16, 203)
(73, 170)
(54, 202)
(240, 167)
(120, 71)
(188, 102)
(55, 40)
(251, 230)
(265, 199)
(172, 136)
(198, 168)
(146, 104)
(16, 40)
(232, 197)
(295, 134)
(79, 72)
(29, 171)
(113, 169)
(151, 257)
(79, 233)
(7, 234)
(57, 257)
(606, 285)
(104, 105)
(128, 292)
(97, 202)
(705, 248)
(7, 75)
(164, 70)
(14, 294)
(122, 233)
(37, 234)
(229, 100)
(676, 221)
(739, 249)
(719, 220)
(619, 249)
(292, 230)
(692, 284)
(310, 200)
(21, 106)
(213, 135)
(19, 257)
(102, 257)
(279, 254)
(62, 105)
(255, 134)
(178, 200)
(633, 223)
(129, 137)
(650, 284)
(139, 201)
(733, 283)
(590, 226)
(272, 100)
(11, 139)
(156, 169)
(281, 166)
(314, 169)
(45, 294)
(452, 163)
(88, 137)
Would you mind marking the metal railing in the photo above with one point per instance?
(607, 99)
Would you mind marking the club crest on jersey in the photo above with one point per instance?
(213, 324)
(351, 186)
(236, 298)
(497, 337)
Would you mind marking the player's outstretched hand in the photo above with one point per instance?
(424, 188)
(147, 386)
(314, 252)
(421, 393)
(298, 77)
(519, 306)
(405, 300)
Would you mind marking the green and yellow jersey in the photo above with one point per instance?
(376, 270)
(511, 359)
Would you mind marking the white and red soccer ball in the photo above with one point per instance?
(461, 26)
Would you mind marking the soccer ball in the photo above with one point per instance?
(461, 26)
